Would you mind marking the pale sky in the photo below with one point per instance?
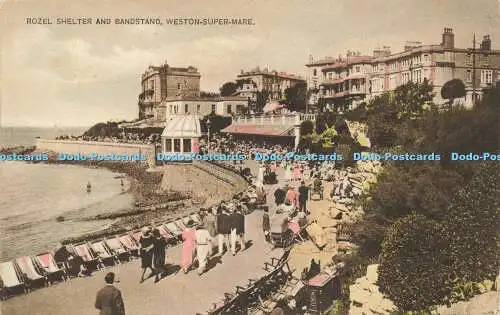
(77, 75)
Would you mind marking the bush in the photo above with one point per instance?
(413, 269)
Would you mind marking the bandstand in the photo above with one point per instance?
(181, 136)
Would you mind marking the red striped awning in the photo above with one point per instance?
(263, 130)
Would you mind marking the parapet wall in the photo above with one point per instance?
(89, 147)
(239, 183)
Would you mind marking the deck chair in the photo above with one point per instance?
(129, 243)
(164, 232)
(104, 254)
(118, 249)
(180, 224)
(186, 220)
(90, 260)
(136, 235)
(196, 218)
(12, 279)
(50, 268)
(173, 228)
(31, 273)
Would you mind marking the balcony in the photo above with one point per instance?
(280, 120)
(332, 81)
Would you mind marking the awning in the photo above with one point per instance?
(262, 130)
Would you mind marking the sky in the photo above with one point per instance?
(78, 75)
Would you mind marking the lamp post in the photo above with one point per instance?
(208, 137)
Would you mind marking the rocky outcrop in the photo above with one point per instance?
(366, 298)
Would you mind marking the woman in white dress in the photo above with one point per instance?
(260, 176)
(288, 172)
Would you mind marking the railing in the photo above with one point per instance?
(284, 120)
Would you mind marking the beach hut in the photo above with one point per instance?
(180, 137)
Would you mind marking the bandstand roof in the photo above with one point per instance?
(182, 127)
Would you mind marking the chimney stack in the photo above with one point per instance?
(448, 38)
(486, 43)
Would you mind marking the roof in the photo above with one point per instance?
(205, 99)
(182, 127)
(263, 130)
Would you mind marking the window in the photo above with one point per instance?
(468, 76)
(152, 84)
(178, 86)
(468, 60)
(186, 145)
(315, 72)
(213, 108)
(229, 109)
(487, 76)
(186, 108)
(426, 57)
(358, 69)
(198, 107)
(171, 109)
(486, 60)
(168, 145)
(177, 145)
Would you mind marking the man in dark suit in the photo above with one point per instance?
(109, 299)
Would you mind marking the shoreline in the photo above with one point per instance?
(150, 203)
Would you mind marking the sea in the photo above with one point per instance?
(33, 196)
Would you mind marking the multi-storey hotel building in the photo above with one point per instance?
(345, 82)
(273, 82)
(160, 82)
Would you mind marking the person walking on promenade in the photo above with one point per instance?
(260, 175)
(109, 299)
(296, 172)
(279, 196)
(288, 172)
(224, 230)
(292, 195)
(266, 225)
(237, 231)
(188, 246)
(303, 196)
(203, 248)
(146, 251)
(159, 252)
(210, 223)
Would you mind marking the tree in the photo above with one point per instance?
(306, 127)
(262, 98)
(217, 123)
(453, 89)
(413, 270)
(296, 97)
(472, 226)
(411, 97)
(228, 88)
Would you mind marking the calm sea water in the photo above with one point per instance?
(14, 136)
(32, 196)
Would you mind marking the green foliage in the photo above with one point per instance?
(296, 96)
(306, 127)
(472, 226)
(325, 120)
(453, 89)
(228, 88)
(410, 98)
(217, 123)
(413, 270)
(262, 98)
(107, 129)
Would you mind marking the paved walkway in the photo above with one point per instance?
(175, 294)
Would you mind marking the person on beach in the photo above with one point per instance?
(188, 246)
(288, 172)
(159, 252)
(266, 225)
(109, 300)
(203, 248)
(146, 251)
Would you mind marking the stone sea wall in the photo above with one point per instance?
(89, 147)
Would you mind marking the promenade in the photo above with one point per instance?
(177, 293)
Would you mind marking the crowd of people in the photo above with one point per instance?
(123, 137)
